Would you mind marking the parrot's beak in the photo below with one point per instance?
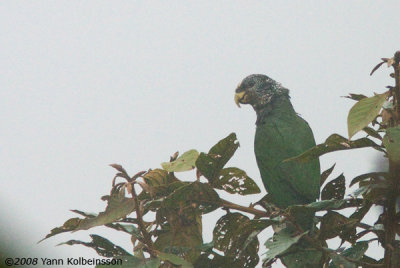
(238, 97)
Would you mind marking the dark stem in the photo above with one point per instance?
(389, 215)
(142, 227)
(256, 212)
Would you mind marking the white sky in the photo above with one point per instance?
(87, 83)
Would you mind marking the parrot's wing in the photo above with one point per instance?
(288, 182)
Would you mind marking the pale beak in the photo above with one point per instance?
(238, 97)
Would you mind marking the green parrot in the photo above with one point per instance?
(281, 134)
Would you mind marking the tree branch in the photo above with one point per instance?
(142, 228)
(256, 212)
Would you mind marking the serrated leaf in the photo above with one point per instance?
(326, 173)
(364, 112)
(391, 141)
(334, 142)
(211, 164)
(101, 245)
(184, 163)
(234, 180)
(334, 189)
(280, 243)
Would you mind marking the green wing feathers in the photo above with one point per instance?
(280, 137)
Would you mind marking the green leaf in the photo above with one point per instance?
(210, 164)
(174, 259)
(340, 262)
(118, 206)
(392, 143)
(356, 251)
(101, 245)
(216, 261)
(356, 97)
(236, 235)
(85, 214)
(196, 193)
(156, 177)
(372, 132)
(234, 180)
(374, 175)
(334, 189)
(326, 173)
(183, 163)
(326, 205)
(280, 243)
(70, 225)
(180, 232)
(364, 112)
(334, 142)
(133, 261)
(334, 224)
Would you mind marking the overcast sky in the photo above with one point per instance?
(84, 84)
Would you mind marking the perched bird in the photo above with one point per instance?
(281, 134)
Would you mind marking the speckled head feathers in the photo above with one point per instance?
(258, 90)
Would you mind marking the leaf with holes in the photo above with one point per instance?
(236, 235)
(234, 180)
(334, 189)
(211, 163)
(364, 112)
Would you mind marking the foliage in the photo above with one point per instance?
(171, 235)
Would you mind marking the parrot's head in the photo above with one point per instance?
(258, 90)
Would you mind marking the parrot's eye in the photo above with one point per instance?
(251, 83)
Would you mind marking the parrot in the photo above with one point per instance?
(281, 134)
